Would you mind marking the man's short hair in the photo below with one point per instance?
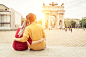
(31, 17)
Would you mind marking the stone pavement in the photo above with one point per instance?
(54, 37)
(6, 50)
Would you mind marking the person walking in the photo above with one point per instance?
(71, 29)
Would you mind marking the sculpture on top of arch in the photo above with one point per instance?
(57, 12)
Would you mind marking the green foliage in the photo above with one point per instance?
(22, 20)
(69, 23)
(82, 23)
(73, 23)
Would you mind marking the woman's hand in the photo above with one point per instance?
(42, 39)
(39, 41)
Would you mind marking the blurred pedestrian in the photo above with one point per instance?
(71, 29)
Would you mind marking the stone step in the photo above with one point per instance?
(6, 50)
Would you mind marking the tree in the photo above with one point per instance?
(67, 23)
(82, 23)
(73, 23)
(22, 20)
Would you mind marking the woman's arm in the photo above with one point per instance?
(39, 41)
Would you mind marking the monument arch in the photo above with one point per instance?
(57, 12)
(60, 23)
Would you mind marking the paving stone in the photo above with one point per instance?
(54, 37)
(49, 51)
(59, 44)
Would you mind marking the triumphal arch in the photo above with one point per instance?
(53, 15)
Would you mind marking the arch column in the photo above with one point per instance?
(58, 21)
(63, 26)
(43, 22)
(49, 26)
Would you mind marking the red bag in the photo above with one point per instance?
(20, 45)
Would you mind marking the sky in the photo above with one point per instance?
(73, 8)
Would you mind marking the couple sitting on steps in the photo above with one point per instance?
(30, 34)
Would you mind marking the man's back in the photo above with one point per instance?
(36, 32)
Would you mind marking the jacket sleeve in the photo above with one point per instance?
(43, 32)
(16, 35)
(25, 35)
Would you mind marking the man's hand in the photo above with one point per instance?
(14, 39)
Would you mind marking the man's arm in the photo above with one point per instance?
(43, 32)
(36, 42)
(16, 39)
(25, 36)
(39, 41)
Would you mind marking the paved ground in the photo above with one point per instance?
(6, 50)
(54, 37)
(59, 44)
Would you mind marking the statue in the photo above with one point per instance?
(62, 4)
(43, 4)
(53, 4)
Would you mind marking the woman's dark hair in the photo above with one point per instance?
(31, 17)
(27, 23)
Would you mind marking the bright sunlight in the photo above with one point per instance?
(39, 16)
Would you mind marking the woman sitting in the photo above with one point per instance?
(17, 45)
(35, 32)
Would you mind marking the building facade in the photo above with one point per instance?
(9, 18)
(83, 17)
